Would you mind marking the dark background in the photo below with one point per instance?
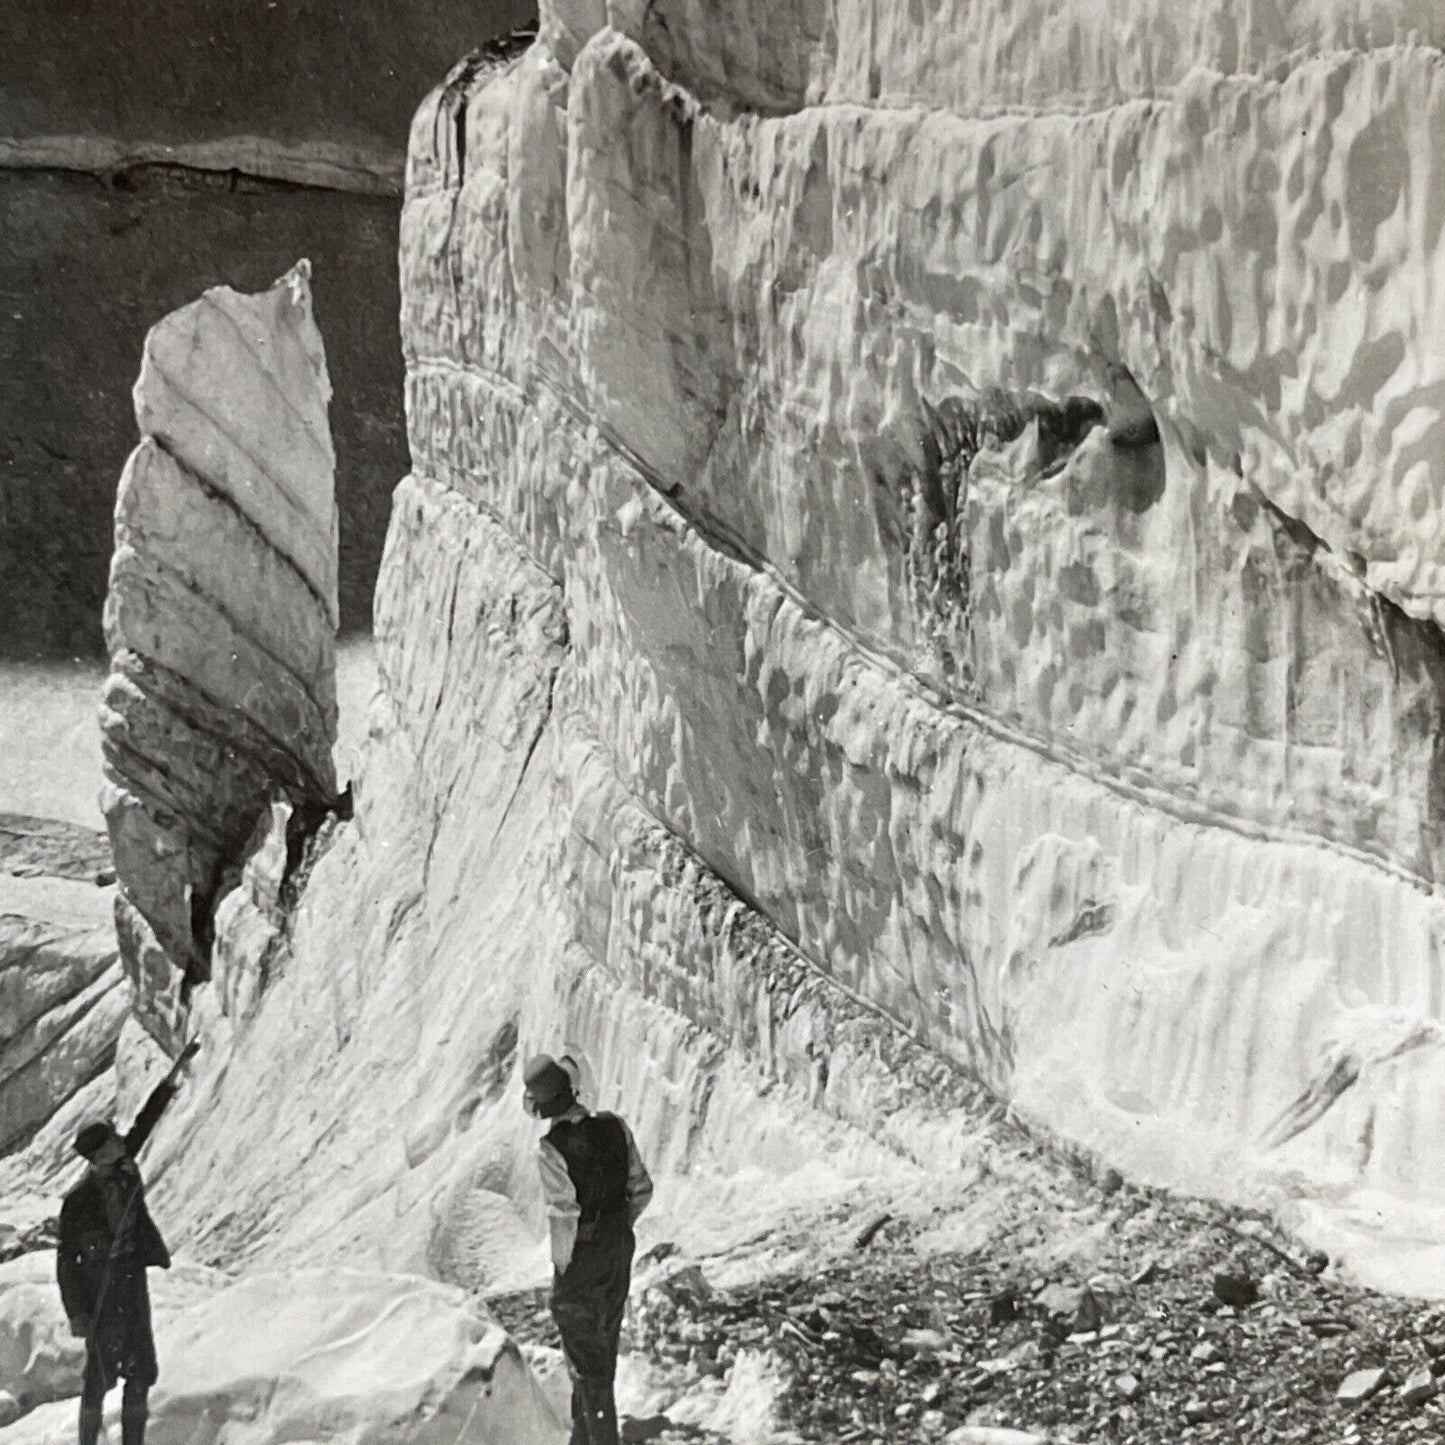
(88, 262)
(346, 71)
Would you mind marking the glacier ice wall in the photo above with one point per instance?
(920, 566)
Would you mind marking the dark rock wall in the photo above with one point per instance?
(87, 268)
(89, 261)
(204, 70)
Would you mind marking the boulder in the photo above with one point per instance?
(1235, 1287)
(1360, 1385)
(1420, 1387)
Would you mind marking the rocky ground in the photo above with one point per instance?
(1070, 1308)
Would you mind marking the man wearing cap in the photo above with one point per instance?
(107, 1240)
(595, 1186)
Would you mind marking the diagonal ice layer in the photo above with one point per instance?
(235, 388)
(221, 617)
(62, 998)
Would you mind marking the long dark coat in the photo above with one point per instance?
(105, 1284)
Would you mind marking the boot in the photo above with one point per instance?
(90, 1418)
(133, 1426)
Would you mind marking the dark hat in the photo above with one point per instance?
(548, 1085)
(91, 1137)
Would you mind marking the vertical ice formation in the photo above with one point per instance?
(221, 619)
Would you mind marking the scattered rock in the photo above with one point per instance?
(1058, 1300)
(1079, 1309)
(993, 1435)
(1107, 1285)
(1144, 1275)
(891, 1327)
(1089, 1316)
(635, 1432)
(1421, 1386)
(1236, 1288)
(869, 1232)
(926, 1342)
(682, 1283)
(1361, 1385)
(1111, 1183)
(1003, 1365)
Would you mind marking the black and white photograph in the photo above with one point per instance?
(722, 722)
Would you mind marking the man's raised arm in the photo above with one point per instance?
(155, 1106)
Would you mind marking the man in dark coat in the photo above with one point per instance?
(595, 1186)
(107, 1241)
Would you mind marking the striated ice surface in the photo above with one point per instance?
(922, 567)
(62, 999)
(220, 619)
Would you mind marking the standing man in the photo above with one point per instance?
(107, 1241)
(596, 1186)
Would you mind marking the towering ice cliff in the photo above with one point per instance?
(922, 565)
(221, 620)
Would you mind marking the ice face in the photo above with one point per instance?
(921, 564)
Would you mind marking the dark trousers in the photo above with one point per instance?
(588, 1302)
(134, 1403)
(121, 1345)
